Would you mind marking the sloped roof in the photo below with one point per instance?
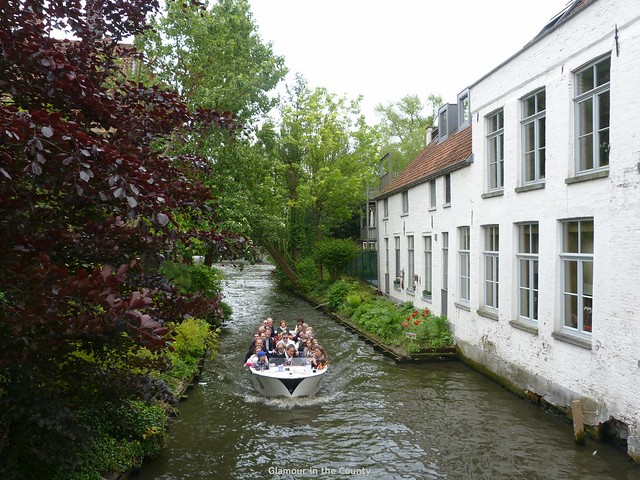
(435, 160)
(568, 11)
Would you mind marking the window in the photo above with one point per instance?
(464, 246)
(405, 202)
(397, 240)
(577, 275)
(428, 267)
(442, 124)
(533, 137)
(411, 268)
(432, 193)
(495, 153)
(464, 109)
(527, 258)
(445, 260)
(386, 256)
(491, 275)
(385, 208)
(592, 116)
(447, 189)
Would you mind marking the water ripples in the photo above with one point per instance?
(372, 419)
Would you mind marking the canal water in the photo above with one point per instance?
(372, 419)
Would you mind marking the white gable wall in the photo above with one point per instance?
(602, 370)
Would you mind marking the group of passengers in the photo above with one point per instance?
(285, 344)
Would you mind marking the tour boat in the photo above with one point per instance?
(288, 379)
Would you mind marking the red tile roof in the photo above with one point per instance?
(435, 160)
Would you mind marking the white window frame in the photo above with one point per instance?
(411, 263)
(527, 260)
(397, 245)
(385, 208)
(592, 137)
(495, 151)
(428, 267)
(447, 190)
(491, 256)
(464, 109)
(445, 260)
(405, 202)
(533, 127)
(432, 194)
(582, 260)
(464, 264)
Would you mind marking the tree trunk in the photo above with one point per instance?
(279, 258)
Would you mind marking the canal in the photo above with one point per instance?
(372, 419)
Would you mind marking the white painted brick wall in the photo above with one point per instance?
(607, 377)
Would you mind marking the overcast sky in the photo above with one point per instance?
(385, 50)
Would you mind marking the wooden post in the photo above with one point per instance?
(578, 423)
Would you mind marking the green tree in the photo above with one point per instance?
(333, 153)
(403, 125)
(214, 57)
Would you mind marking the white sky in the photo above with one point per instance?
(385, 50)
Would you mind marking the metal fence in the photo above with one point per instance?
(365, 267)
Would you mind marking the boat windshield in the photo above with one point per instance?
(294, 361)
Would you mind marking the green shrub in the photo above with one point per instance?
(118, 440)
(307, 274)
(335, 254)
(338, 291)
(201, 279)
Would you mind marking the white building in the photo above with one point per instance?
(535, 255)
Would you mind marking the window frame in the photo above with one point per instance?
(491, 263)
(445, 261)
(411, 262)
(432, 194)
(447, 189)
(529, 256)
(397, 255)
(495, 156)
(405, 202)
(581, 259)
(537, 121)
(428, 266)
(464, 264)
(593, 97)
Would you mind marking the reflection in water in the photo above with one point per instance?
(372, 419)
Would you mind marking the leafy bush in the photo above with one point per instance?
(307, 274)
(337, 293)
(335, 254)
(118, 441)
(199, 278)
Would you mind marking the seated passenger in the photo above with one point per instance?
(290, 354)
(280, 351)
(319, 357)
(256, 342)
(282, 329)
(263, 361)
(253, 358)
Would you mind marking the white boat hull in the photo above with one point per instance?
(288, 381)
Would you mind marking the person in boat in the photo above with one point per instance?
(280, 350)
(262, 362)
(269, 340)
(299, 322)
(290, 354)
(318, 357)
(282, 329)
(307, 350)
(269, 324)
(253, 358)
(258, 341)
